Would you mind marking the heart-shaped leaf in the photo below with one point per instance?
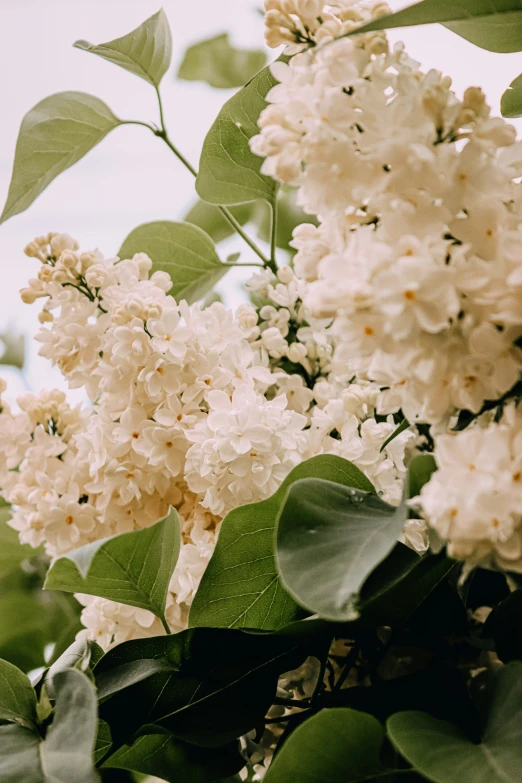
(66, 753)
(145, 52)
(240, 587)
(495, 25)
(335, 746)
(54, 135)
(131, 568)
(206, 686)
(17, 696)
(444, 754)
(330, 538)
(219, 64)
(175, 761)
(229, 173)
(182, 250)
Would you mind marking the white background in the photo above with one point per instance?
(131, 177)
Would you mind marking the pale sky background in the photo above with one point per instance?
(131, 177)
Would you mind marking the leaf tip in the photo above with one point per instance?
(85, 46)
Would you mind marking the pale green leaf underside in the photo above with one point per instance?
(131, 568)
(444, 754)
(53, 136)
(145, 52)
(218, 63)
(229, 173)
(329, 539)
(495, 25)
(240, 587)
(335, 746)
(511, 103)
(66, 753)
(182, 250)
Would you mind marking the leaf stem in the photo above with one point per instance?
(273, 233)
(165, 625)
(240, 263)
(162, 133)
(351, 660)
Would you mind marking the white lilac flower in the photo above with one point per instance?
(473, 501)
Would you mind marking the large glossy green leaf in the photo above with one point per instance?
(210, 219)
(53, 136)
(511, 103)
(330, 538)
(335, 746)
(229, 173)
(17, 696)
(207, 686)
(12, 552)
(145, 52)
(220, 64)
(131, 568)
(176, 762)
(240, 587)
(495, 25)
(66, 753)
(400, 585)
(182, 250)
(444, 754)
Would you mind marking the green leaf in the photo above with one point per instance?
(25, 629)
(66, 753)
(210, 219)
(219, 64)
(53, 136)
(175, 761)
(335, 746)
(495, 25)
(206, 686)
(420, 470)
(17, 696)
(289, 215)
(511, 102)
(182, 250)
(330, 537)
(103, 741)
(131, 568)
(12, 346)
(504, 626)
(444, 754)
(400, 585)
(82, 654)
(229, 173)
(396, 432)
(12, 552)
(145, 52)
(240, 587)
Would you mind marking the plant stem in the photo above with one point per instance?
(273, 233)
(161, 133)
(351, 660)
(291, 702)
(165, 625)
